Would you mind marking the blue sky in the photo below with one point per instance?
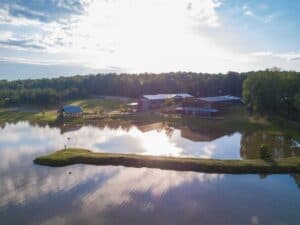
(48, 38)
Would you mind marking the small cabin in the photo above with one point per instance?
(70, 111)
(133, 106)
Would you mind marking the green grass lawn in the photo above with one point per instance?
(82, 156)
(37, 114)
(96, 105)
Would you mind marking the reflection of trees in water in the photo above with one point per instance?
(263, 175)
(112, 125)
(169, 131)
(280, 146)
(296, 179)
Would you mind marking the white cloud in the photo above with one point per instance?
(6, 18)
(134, 35)
(157, 35)
(289, 56)
(5, 35)
(32, 61)
(261, 17)
(247, 11)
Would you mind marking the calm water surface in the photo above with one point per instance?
(35, 195)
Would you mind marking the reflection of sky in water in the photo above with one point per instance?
(31, 194)
(32, 139)
(226, 147)
(119, 195)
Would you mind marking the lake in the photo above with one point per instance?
(83, 194)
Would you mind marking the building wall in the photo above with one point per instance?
(217, 105)
(72, 114)
(196, 112)
(144, 104)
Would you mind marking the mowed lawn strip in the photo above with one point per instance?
(82, 156)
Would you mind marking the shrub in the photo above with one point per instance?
(264, 152)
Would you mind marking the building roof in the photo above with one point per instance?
(166, 96)
(133, 104)
(197, 109)
(71, 109)
(223, 98)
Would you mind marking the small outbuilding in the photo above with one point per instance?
(70, 111)
(133, 106)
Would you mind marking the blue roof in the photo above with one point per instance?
(223, 98)
(72, 109)
(197, 109)
(166, 96)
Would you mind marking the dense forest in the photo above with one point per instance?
(273, 93)
(53, 91)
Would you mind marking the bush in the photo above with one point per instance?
(264, 153)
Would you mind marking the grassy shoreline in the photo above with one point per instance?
(48, 114)
(235, 118)
(256, 166)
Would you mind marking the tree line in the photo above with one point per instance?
(273, 93)
(56, 90)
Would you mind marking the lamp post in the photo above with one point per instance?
(68, 139)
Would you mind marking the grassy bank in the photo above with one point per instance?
(82, 156)
(8, 115)
(48, 114)
(97, 105)
(99, 111)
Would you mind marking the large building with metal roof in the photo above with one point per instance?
(148, 102)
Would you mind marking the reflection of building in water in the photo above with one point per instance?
(186, 132)
(201, 135)
(280, 146)
(69, 128)
(151, 126)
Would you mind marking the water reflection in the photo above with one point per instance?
(280, 146)
(118, 195)
(151, 139)
(27, 139)
(31, 194)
